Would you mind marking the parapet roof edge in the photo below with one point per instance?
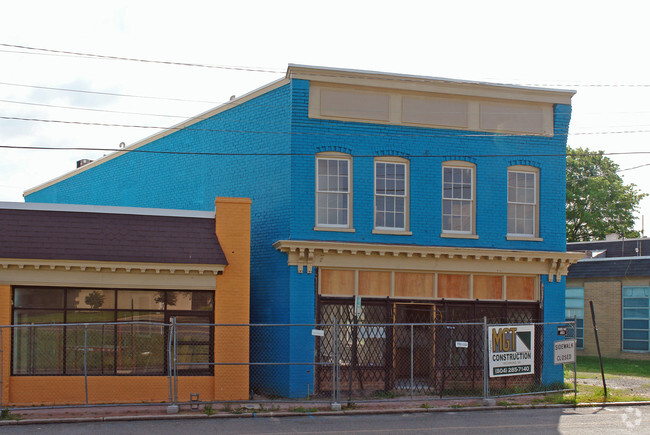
(563, 96)
(81, 208)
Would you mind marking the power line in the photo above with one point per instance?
(311, 154)
(132, 59)
(54, 106)
(112, 94)
(156, 127)
(332, 72)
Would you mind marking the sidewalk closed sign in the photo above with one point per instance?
(564, 351)
(511, 350)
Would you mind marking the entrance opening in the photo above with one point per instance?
(419, 352)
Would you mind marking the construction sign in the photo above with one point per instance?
(511, 350)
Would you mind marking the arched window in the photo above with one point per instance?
(458, 197)
(391, 194)
(333, 190)
(523, 201)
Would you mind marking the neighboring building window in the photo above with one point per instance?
(522, 201)
(458, 197)
(575, 306)
(636, 319)
(333, 188)
(391, 192)
(111, 348)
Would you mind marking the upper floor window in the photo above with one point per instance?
(333, 191)
(391, 194)
(522, 201)
(458, 207)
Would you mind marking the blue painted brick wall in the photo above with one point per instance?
(282, 190)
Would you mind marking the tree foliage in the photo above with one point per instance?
(95, 299)
(597, 201)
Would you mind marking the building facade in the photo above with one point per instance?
(615, 276)
(431, 199)
(87, 290)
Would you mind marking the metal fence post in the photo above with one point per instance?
(2, 331)
(411, 361)
(86, 360)
(334, 362)
(575, 360)
(486, 384)
(169, 363)
(336, 405)
(175, 330)
(173, 372)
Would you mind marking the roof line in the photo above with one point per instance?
(80, 208)
(397, 76)
(645, 257)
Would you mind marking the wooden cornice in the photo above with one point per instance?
(303, 253)
(111, 267)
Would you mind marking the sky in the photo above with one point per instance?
(598, 49)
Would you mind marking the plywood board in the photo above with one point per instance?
(413, 285)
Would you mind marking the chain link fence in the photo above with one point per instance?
(344, 358)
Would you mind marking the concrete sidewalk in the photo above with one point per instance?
(274, 409)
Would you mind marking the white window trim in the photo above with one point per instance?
(535, 235)
(407, 187)
(459, 164)
(332, 155)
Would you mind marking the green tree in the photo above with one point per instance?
(95, 299)
(597, 201)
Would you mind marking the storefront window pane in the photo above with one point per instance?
(94, 299)
(37, 349)
(140, 300)
(38, 297)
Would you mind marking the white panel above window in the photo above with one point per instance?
(355, 105)
(435, 111)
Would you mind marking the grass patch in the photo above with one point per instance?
(304, 410)
(5, 414)
(593, 394)
(589, 366)
(208, 409)
(426, 406)
(385, 394)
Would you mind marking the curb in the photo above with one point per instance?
(305, 414)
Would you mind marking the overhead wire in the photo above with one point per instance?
(355, 134)
(133, 59)
(330, 72)
(112, 94)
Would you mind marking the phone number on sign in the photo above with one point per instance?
(511, 370)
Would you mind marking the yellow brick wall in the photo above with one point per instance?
(607, 297)
(232, 298)
(607, 307)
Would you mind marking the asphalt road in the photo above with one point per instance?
(607, 420)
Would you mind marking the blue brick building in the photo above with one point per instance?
(429, 199)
